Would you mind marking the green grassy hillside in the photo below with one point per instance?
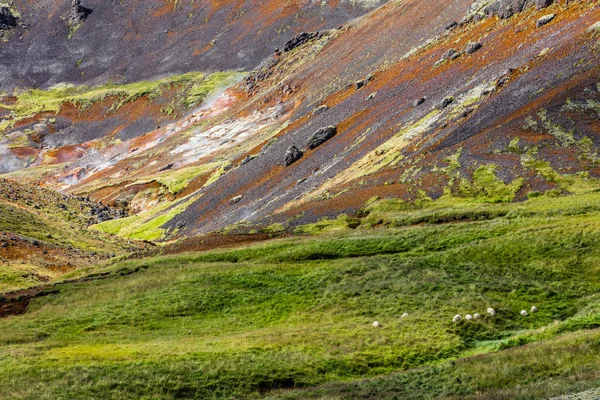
(292, 318)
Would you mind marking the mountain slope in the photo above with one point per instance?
(495, 125)
(125, 41)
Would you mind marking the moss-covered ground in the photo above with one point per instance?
(292, 318)
(192, 87)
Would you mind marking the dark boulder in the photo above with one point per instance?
(418, 102)
(472, 47)
(7, 19)
(78, 13)
(292, 155)
(321, 136)
(300, 39)
(447, 101)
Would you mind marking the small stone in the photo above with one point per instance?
(376, 324)
(545, 20)
(236, 199)
(418, 102)
(292, 155)
(320, 110)
(363, 82)
(491, 311)
(447, 101)
(321, 136)
(451, 25)
(78, 13)
(404, 315)
(534, 309)
(469, 317)
(476, 316)
(372, 96)
(472, 47)
(456, 318)
(450, 55)
(524, 313)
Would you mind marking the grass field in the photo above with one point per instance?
(292, 318)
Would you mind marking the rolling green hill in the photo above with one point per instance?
(292, 317)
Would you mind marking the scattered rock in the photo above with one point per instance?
(7, 18)
(450, 55)
(545, 20)
(507, 12)
(539, 4)
(447, 101)
(246, 160)
(300, 39)
(469, 317)
(456, 319)
(363, 82)
(292, 155)
(404, 315)
(372, 96)
(534, 309)
(491, 311)
(476, 316)
(472, 47)
(260, 73)
(78, 13)
(167, 167)
(236, 199)
(524, 313)
(320, 110)
(451, 25)
(376, 324)
(418, 102)
(321, 136)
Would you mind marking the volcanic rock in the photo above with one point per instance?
(292, 155)
(447, 101)
(300, 39)
(545, 20)
(321, 136)
(320, 110)
(7, 19)
(78, 13)
(418, 102)
(539, 4)
(450, 55)
(472, 47)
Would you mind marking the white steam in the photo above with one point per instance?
(8, 161)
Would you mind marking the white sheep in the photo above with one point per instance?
(376, 324)
(476, 316)
(491, 311)
(469, 317)
(534, 309)
(524, 313)
(456, 318)
(404, 315)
